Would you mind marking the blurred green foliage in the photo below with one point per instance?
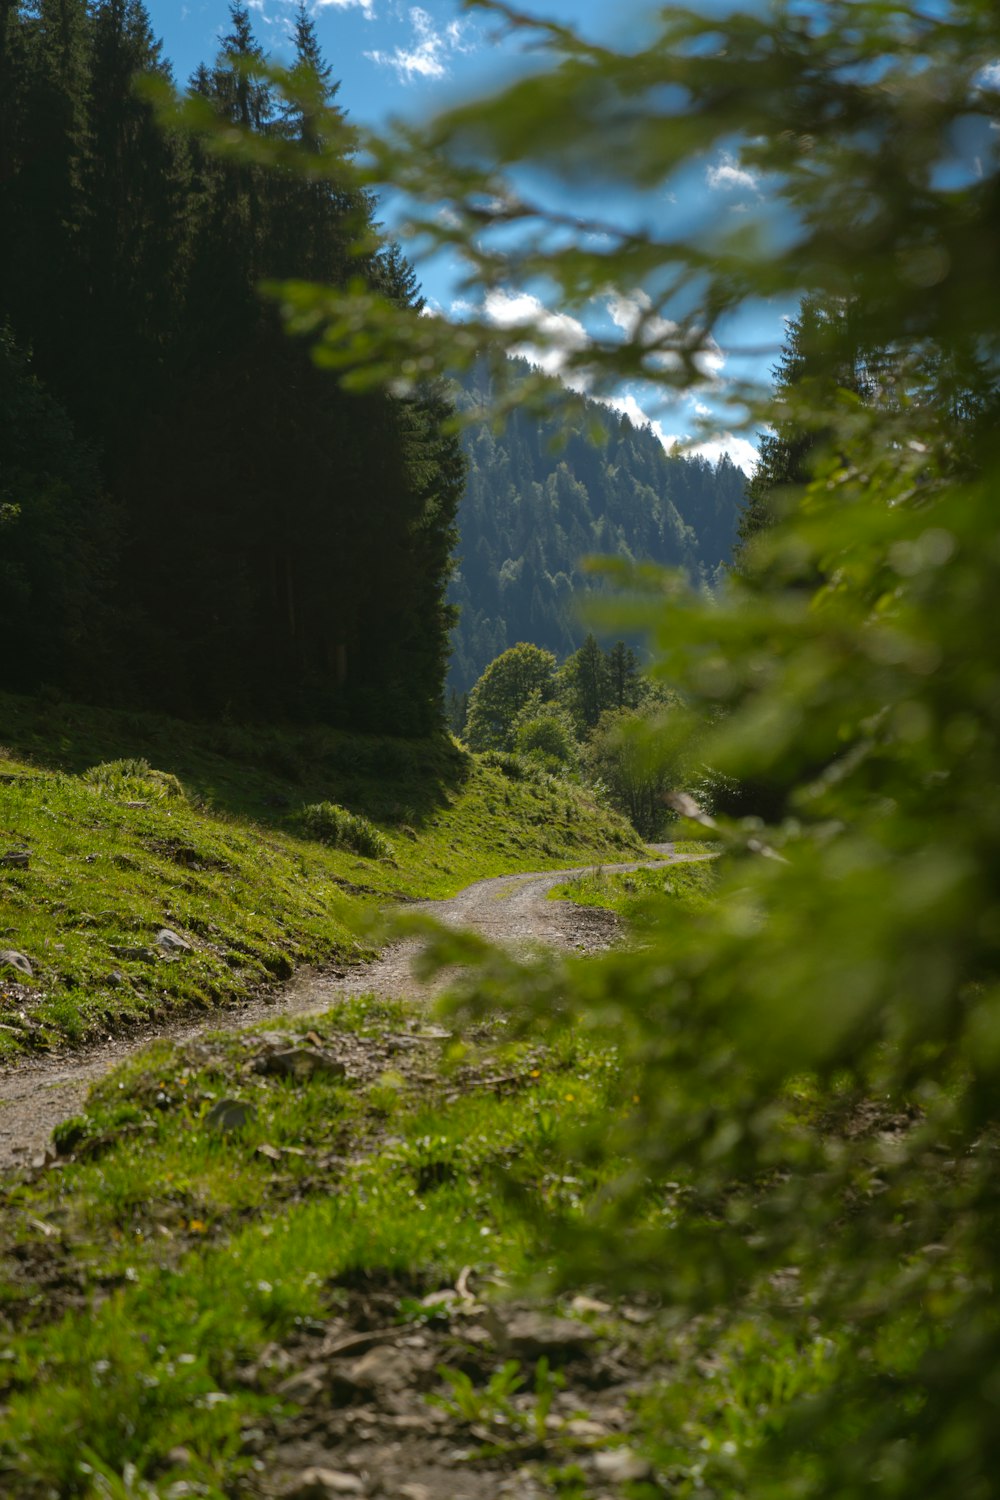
(815, 1058)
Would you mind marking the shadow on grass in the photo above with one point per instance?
(261, 772)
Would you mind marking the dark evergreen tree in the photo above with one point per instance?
(284, 545)
(137, 239)
(585, 686)
(239, 90)
(45, 92)
(820, 356)
(57, 541)
(306, 119)
(623, 676)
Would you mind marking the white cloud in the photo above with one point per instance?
(742, 453)
(629, 407)
(727, 173)
(563, 334)
(368, 6)
(456, 35)
(429, 54)
(566, 335)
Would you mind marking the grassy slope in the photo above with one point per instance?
(634, 894)
(229, 868)
(146, 1273)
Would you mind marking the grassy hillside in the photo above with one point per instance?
(637, 894)
(236, 1270)
(209, 841)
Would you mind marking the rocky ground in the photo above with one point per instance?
(376, 1417)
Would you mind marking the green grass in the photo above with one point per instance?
(195, 1248)
(638, 894)
(146, 1273)
(218, 850)
(730, 1397)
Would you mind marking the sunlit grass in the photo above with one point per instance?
(210, 1249)
(236, 876)
(634, 894)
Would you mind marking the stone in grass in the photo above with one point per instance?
(230, 1114)
(172, 942)
(10, 959)
(536, 1336)
(321, 1383)
(622, 1466)
(322, 1484)
(300, 1063)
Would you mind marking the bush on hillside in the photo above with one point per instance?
(134, 780)
(543, 732)
(332, 824)
(514, 767)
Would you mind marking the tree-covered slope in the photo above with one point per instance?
(279, 549)
(541, 495)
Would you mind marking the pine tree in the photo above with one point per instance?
(138, 231)
(318, 526)
(46, 67)
(239, 92)
(303, 119)
(623, 676)
(585, 687)
(12, 83)
(58, 540)
(818, 350)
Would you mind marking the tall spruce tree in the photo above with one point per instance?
(57, 541)
(137, 238)
(820, 356)
(46, 84)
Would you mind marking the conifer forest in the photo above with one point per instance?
(194, 518)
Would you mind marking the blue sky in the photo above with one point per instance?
(397, 58)
(393, 56)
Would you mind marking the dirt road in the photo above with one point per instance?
(513, 909)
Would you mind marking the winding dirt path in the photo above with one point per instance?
(512, 909)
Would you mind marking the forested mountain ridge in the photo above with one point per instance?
(260, 543)
(542, 494)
